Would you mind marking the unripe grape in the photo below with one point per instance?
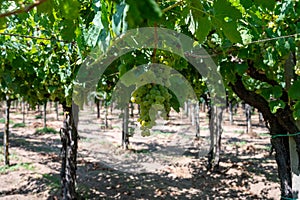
(132, 99)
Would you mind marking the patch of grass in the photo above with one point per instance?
(38, 117)
(83, 191)
(204, 128)
(2, 121)
(240, 144)
(238, 131)
(264, 134)
(127, 155)
(161, 133)
(27, 166)
(19, 125)
(86, 140)
(52, 181)
(45, 130)
(12, 155)
(267, 148)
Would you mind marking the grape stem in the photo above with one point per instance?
(22, 9)
(155, 43)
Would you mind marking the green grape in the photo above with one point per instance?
(133, 99)
(147, 96)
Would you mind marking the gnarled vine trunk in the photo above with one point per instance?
(69, 139)
(280, 123)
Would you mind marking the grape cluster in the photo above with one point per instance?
(150, 96)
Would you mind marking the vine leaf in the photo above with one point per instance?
(226, 17)
(294, 91)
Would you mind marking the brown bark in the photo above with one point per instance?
(279, 123)
(69, 139)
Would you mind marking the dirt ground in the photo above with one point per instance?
(169, 164)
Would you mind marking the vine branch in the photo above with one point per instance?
(22, 10)
(172, 6)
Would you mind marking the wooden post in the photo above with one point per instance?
(125, 140)
(45, 115)
(197, 120)
(23, 111)
(295, 171)
(294, 155)
(230, 112)
(6, 133)
(193, 110)
(56, 110)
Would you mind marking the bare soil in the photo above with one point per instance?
(169, 164)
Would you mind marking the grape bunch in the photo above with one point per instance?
(151, 98)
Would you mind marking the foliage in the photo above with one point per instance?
(46, 130)
(5, 169)
(18, 125)
(42, 48)
(2, 120)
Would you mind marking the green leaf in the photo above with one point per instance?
(68, 32)
(275, 105)
(94, 30)
(226, 17)
(241, 68)
(246, 3)
(296, 113)
(203, 28)
(123, 68)
(3, 23)
(151, 10)
(199, 22)
(269, 4)
(70, 9)
(224, 9)
(231, 32)
(46, 7)
(271, 93)
(294, 91)
(277, 92)
(174, 102)
(142, 10)
(118, 18)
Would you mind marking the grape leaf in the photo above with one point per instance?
(246, 3)
(142, 10)
(46, 7)
(226, 17)
(118, 18)
(269, 4)
(231, 32)
(224, 9)
(275, 105)
(241, 68)
(2, 23)
(70, 9)
(294, 90)
(296, 113)
(203, 28)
